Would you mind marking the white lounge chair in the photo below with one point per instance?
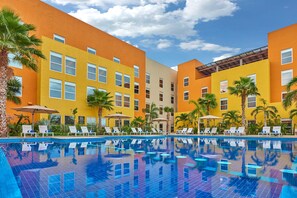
(231, 131)
(108, 130)
(85, 130)
(134, 131)
(214, 131)
(140, 131)
(277, 145)
(44, 131)
(276, 130)
(241, 143)
(27, 130)
(26, 147)
(73, 130)
(117, 131)
(265, 131)
(240, 131)
(154, 131)
(232, 143)
(183, 131)
(266, 144)
(72, 145)
(189, 131)
(206, 131)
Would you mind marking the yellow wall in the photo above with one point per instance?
(81, 81)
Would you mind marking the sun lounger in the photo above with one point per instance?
(232, 143)
(44, 131)
(276, 130)
(205, 131)
(134, 131)
(73, 130)
(108, 131)
(183, 131)
(214, 131)
(277, 145)
(117, 131)
(26, 147)
(190, 141)
(27, 130)
(231, 131)
(241, 143)
(265, 131)
(72, 145)
(85, 130)
(240, 131)
(266, 144)
(189, 131)
(84, 144)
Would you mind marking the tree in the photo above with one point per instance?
(151, 112)
(168, 111)
(198, 110)
(101, 100)
(231, 117)
(208, 101)
(74, 112)
(138, 122)
(291, 96)
(183, 118)
(268, 111)
(13, 88)
(16, 39)
(243, 88)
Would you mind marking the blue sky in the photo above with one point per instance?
(175, 31)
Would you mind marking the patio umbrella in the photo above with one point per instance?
(118, 116)
(35, 109)
(207, 117)
(159, 120)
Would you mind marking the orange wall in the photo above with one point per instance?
(279, 40)
(188, 69)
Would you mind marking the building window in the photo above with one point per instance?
(136, 71)
(118, 170)
(172, 86)
(161, 96)
(286, 56)
(69, 120)
(91, 50)
(253, 77)
(55, 88)
(136, 88)
(55, 119)
(19, 93)
(90, 90)
(81, 119)
(126, 101)
(186, 95)
(91, 71)
(224, 86)
(204, 91)
(59, 38)
(56, 62)
(117, 60)
(147, 106)
(147, 78)
(161, 82)
(136, 105)
(147, 93)
(118, 79)
(161, 126)
(172, 99)
(186, 81)
(287, 77)
(224, 104)
(102, 75)
(118, 99)
(251, 101)
(69, 91)
(12, 62)
(70, 66)
(284, 94)
(126, 81)
(91, 120)
(161, 110)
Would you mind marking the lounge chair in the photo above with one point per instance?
(214, 131)
(140, 131)
(27, 130)
(240, 131)
(265, 131)
(241, 143)
(266, 144)
(232, 143)
(73, 130)
(183, 131)
(108, 131)
(206, 131)
(154, 131)
(44, 131)
(232, 130)
(189, 131)
(277, 145)
(276, 130)
(85, 130)
(26, 147)
(117, 131)
(134, 131)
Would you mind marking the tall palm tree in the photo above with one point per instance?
(268, 111)
(231, 117)
(101, 100)
(243, 88)
(151, 112)
(168, 111)
(13, 87)
(291, 96)
(198, 110)
(138, 122)
(15, 38)
(209, 102)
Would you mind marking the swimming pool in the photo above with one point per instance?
(139, 167)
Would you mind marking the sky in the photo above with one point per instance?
(175, 31)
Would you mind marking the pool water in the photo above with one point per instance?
(165, 167)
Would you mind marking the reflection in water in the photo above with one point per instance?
(180, 167)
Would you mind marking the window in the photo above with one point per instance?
(161, 96)
(147, 174)
(56, 62)
(12, 62)
(136, 105)
(287, 77)
(147, 93)
(284, 94)
(69, 120)
(70, 66)
(126, 168)
(136, 88)
(204, 91)
(117, 60)
(224, 104)
(59, 38)
(161, 110)
(286, 56)
(19, 93)
(172, 99)
(186, 95)
(161, 126)
(91, 71)
(118, 99)
(135, 182)
(147, 78)
(186, 81)
(161, 171)
(251, 101)
(55, 119)
(91, 50)
(91, 120)
(55, 88)
(102, 74)
(90, 90)
(147, 106)
(186, 173)
(136, 71)
(81, 119)
(103, 90)
(126, 101)
(253, 77)
(136, 164)
(172, 86)
(118, 79)
(69, 91)
(224, 86)
(118, 170)
(161, 82)
(126, 81)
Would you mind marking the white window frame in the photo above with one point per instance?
(203, 88)
(188, 81)
(135, 83)
(223, 99)
(70, 84)
(55, 81)
(91, 50)
(172, 86)
(59, 38)
(90, 88)
(57, 55)
(285, 51)
(252, 96)
(20, 80)
(136, 71)
(286, 72)
(127, 96)
(147, 78)
(115, 99)
(161, 110)
(116, 60)
(104, 90)
(116, 80)
(91, 120)
(94, 67)
(136, 101)
(127, 77)
(99, 75)
(172, 97)
(253, 77)
(186, 92)
(73, 60)
(221, 88)
(13, 63)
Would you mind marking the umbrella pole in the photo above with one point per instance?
(33, 120)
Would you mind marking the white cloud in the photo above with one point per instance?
(163, 43)
(174, 68)
(222, 57)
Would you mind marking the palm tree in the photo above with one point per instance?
(15, 38)
(243, 88)
(138, 122)
(231, 117)
(198, 111)
(268, 111)
(291, 96)
(209, 102)
(151, 112)
(183, 118)
(13, 87)
(101, 100)
(168, 110)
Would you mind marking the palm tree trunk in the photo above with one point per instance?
(100, 121)
(243, 99)
(3, 93)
